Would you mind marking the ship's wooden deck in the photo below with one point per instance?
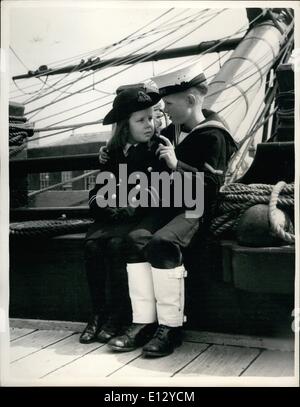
(49, 353)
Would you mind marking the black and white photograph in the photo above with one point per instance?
(148, 224)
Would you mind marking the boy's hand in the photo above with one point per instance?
(166, 151)
(103, 155)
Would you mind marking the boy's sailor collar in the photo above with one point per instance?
(206, 120)
(211, 120)
(181, 132)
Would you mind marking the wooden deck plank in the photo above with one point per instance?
(272, 364)
(284, 344)
(215, 338)
(57, 355)
(161, 367)
(47, 324)
(16, 333)
(99, 363)
(50, 358)
(220, 360)
(34, 342)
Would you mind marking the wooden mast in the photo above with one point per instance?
(235, 86)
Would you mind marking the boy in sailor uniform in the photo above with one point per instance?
(196, 141)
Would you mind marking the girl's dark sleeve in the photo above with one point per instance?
(96, 211)
(112, 214)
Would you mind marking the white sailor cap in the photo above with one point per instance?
(180, 80)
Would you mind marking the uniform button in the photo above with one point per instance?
(113, 196)
(149, 169)
(138, 187)
(133, 199)
(138, 176)
(111, 175)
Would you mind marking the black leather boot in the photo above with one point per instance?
(119, 305)
(163, 342)
(134, 336)
(90, 332)
(111, 328)
(96, 277)
(118, 299)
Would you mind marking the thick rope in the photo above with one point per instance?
(237, 198)
(17, 139)
(49, 227)
(276, 228)
(17, 135)
(15, 150)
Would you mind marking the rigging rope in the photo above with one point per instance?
(103, 48)
(245, 27)
(134, 60)
(107, 49)
(90, 111)
(230, 85)
(63, 61)
(97, 61)
(227, 87)
(75, 107)
(111, 94)
(260, 121)
(231, 35)
(52, 86)
(38, 112)
(251, 22)
(116, 45)
(72, 108)
(222, 40)
(110, 46)
(110, 77)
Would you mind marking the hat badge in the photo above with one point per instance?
(143, 97)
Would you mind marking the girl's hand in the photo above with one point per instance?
(166, 151)
(103, 155)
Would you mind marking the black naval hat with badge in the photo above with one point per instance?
(181, 80)
(130, 100)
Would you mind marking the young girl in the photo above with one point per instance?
(133, 143)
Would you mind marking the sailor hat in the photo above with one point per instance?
(180, 80)
(148, 86)
(130, 100)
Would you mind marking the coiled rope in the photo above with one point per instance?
(237, 198)
(276, 228)
(49, 227)
(18, 135)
